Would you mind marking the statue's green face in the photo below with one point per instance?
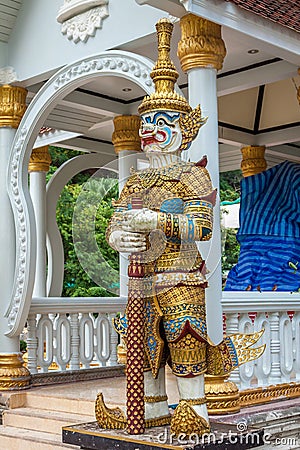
(160, 132)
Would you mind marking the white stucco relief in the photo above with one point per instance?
(111, 63)
(7, 75)
(81, 18)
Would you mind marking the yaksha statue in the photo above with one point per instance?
(176, 201)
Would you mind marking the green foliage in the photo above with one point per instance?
(230, 185)
(230, 191)
(23, 346)
(92, 199)
(231, 250)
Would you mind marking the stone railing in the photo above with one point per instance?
(278, 313)
(72, 333)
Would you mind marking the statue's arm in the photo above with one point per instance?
(195, 224)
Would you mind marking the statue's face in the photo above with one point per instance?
(160, 132)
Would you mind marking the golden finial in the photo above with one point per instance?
(164, 76)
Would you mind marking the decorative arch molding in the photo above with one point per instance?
(113, 63)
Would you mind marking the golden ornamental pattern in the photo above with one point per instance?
(40, 160)
(201, 43)
(253, 161)
(12, 105)
(13, 374)
(186, 420)
(126, 133)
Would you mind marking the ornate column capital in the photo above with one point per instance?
(253, 161)
(201, 43)
(126, 134)
(12, 105)
(40, 160)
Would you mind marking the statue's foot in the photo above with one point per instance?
(186, 420)
(115, 419)
(109, 418)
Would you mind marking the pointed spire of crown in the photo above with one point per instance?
(164, 76)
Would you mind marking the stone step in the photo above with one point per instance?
(51, 403)
(12, 438)
(42, 420)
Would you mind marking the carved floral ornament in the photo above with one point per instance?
(81, 18)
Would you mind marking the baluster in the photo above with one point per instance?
(63, 341)
(113, 360)
(32, 344)
(232, 327)
(45, 342)
(75, 341)
(86, 333)
(102, 335)
(296, 344)
(275, 375)
(246, 370)
(262, 366)
(286, 353)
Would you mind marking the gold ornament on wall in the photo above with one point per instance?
(201, 44)
(12, 105)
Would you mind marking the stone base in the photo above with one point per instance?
(89, 436)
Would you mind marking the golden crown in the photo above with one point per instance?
(164, 76)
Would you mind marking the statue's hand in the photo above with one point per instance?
(139, 220)
(127, 242)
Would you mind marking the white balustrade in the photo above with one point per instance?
(247, 312)
(77, 333)
(72, 333)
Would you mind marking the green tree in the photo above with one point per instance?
(98, 195)
(229, 192)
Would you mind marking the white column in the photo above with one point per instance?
(38, 166)
(203, 91)
(127, 143)
(7, 243)
(12, 108)
(201, 52)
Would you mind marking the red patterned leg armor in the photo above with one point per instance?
(135, 349)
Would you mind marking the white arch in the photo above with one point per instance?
(113, 63)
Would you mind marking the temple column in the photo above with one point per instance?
(253, 161)
(127, 143)
(201, 51)
(38, 167)
(13, 375)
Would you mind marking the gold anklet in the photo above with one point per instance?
(194, 401)
(155, 398)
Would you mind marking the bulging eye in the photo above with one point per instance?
(161, 123)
